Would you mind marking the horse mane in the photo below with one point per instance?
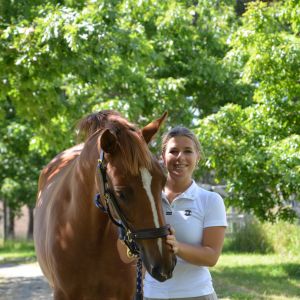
(94, 122)
(133, 148)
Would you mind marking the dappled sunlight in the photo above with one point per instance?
(59, 162)
(66, 233)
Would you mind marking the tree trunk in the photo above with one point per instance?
(30, 224)
(11, 224)
(3, 229)
(5, 220)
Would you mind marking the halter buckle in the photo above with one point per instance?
(130, 254)
(129, 236)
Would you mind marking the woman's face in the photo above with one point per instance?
(180, 157)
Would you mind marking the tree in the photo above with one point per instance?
(257, 149)
(137, 57)
(62, 59)
(19, 168)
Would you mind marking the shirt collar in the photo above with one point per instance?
(189, 193)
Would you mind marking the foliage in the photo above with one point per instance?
(20, 164)
(256, 149)
(251, 238)
(234, 78)
(140, 58)
(62, 59)
(284, 237)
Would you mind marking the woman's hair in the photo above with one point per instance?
(181, 131)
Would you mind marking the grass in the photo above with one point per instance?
(236, 276)
(16, 252)
(257, 276)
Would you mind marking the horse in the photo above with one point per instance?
(77, 245)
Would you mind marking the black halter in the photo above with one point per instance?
(126, 234)
(130, 236)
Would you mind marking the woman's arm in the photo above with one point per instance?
(206, 254)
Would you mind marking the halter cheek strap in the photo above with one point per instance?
(128, 236)
(108, 198)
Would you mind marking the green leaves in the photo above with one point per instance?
(141, 58)
(234, 79)
(256, 149)
(260, 165)
(20, 165)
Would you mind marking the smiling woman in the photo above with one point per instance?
(198, 219)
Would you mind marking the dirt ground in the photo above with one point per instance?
(23, 282)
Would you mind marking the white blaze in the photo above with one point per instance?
(147, 179)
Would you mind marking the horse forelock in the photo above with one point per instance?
(94, 122)
(133, 149)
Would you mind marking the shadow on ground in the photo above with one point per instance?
(25, 288)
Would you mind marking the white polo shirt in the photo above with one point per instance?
(189, 213)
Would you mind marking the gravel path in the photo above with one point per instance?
(23, 282)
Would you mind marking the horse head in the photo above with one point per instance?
(136, 180)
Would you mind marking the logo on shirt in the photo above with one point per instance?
(168, 213)
(187, 212)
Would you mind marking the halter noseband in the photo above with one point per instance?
(129, 235)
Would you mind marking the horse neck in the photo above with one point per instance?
(86, 177)
(91, 149)
(87, 164)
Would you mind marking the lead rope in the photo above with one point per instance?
(133, 248)
(139, 288)
(133, 251)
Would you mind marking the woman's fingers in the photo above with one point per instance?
(172, 230)
(172, 242)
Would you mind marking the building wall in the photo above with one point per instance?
(21, 223)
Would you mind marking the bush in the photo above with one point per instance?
(251, 238)
(284, 236)
(280, 238)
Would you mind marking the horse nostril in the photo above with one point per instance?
(165, 276)
(159, 274)
(155, 270)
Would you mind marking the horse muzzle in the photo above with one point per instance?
(159, 268)
(161, 273)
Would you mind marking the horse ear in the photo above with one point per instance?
(149, 130)
(108, 141)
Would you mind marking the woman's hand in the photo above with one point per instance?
(172, 242)
(205, 254)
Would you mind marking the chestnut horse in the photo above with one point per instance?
(76, 243)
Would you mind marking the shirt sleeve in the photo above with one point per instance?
(215, 212)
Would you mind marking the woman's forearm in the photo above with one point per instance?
(206, 254)
(198, 255)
